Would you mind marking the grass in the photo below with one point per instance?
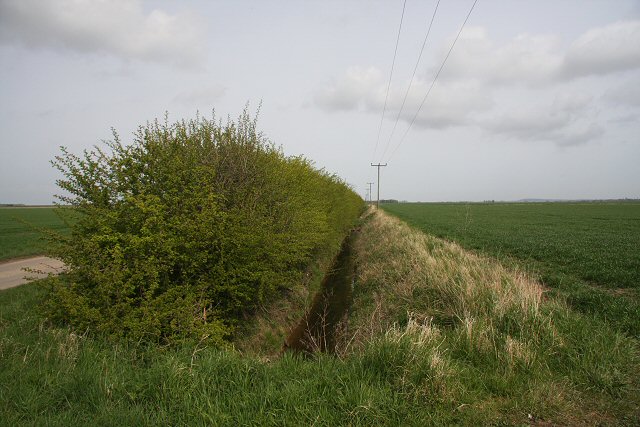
(19, 235)
(437, 336)
(587, 252)
(484, 337)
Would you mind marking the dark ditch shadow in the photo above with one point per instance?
(318, 328)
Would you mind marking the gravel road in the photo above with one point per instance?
(12, 272)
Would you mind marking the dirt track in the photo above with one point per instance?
(12, 272)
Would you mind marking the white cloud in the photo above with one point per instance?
(528, 59)
(116, 27)
(539, 59)
(357, 87)
(608, 49)
(567, 119)
(520, 73)
(449, 103)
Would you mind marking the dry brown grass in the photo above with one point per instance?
(403, 264)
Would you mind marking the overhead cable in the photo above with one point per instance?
(415, 69)
(384, 109)
(433, 82)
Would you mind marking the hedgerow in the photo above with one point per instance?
(188, 229)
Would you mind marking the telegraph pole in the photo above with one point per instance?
(370, 193)
(379, 165)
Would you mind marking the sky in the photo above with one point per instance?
(537, 99)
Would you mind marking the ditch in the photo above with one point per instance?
(318, 329)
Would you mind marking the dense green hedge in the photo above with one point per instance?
(186, 230)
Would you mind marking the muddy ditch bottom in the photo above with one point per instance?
(318, 329)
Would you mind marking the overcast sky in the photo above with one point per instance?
(538, 99)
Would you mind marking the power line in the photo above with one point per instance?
(384, 109)
(370, 194)
(415, 69)
(434, 80)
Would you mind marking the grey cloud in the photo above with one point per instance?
(204, 95)
(115, 27)
(626, 94)
(566, 121)
(578, 135)
(525, 124)
(332, 99)
(571, 103)
(625, 119)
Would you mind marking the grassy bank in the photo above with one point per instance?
(437, 336)
(19, 235)
(470, 333)
(586, 252)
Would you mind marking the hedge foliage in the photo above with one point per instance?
(181, 233)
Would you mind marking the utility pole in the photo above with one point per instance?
(370, 193)
(379, 165)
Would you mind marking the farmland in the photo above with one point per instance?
(418, 351)
(586, 252)
(19, 234)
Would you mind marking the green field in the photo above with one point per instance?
(19, 234)
(587, 252)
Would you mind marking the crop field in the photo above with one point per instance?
(587, 252)
(19, 235)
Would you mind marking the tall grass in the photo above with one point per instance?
(585, 252)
